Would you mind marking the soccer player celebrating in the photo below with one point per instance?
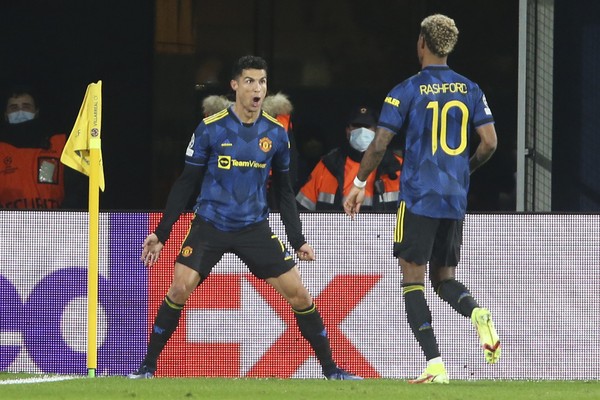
(436, 110)
(229, 157)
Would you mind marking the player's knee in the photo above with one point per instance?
(179, 292)
(300, 300)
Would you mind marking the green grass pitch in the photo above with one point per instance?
(32, 387)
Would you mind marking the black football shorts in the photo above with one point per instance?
(256, 245)
(421, 239)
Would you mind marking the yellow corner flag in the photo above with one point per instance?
(85, 136)
(83, 153)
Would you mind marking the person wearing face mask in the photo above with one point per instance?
(331, 179)
(31, 174)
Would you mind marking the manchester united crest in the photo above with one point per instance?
(187, 251)
(265, 144)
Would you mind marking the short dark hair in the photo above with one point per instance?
(247, 62)
(20, 90)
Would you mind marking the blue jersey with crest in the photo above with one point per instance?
(436, 111)
(238, 158)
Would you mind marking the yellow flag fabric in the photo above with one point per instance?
(85, 135)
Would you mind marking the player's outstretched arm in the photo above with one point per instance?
(288, 209)
(306, 253)
(371, 159)
(151, 250)
(188, 182)
(353, 201)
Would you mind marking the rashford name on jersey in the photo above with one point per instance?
(446, 87)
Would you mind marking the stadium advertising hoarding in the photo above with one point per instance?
(537, 273)
(43, 286)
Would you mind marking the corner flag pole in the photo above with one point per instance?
(83, 152)
(94, 253)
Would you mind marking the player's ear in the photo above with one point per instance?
(234, 84)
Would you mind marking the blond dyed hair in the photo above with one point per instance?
(440, 34)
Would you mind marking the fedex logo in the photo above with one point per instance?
(43, 299)
(40, 324)
(237, 325)
(233, 325)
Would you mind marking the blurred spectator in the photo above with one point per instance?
(279, 106)
(31, 174)
(213, 104)
(332, 178)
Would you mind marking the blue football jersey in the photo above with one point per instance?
(436, 111)
(238, 158)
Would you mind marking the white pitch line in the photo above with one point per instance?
(37, 380)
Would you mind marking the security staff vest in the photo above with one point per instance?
(32, 178)
(333, 177)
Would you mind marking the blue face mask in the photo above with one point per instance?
(361, 138)
(20, 116)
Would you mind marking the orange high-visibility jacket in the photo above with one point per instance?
(336, 170)
(32, 178)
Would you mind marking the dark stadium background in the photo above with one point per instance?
(152, 55)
